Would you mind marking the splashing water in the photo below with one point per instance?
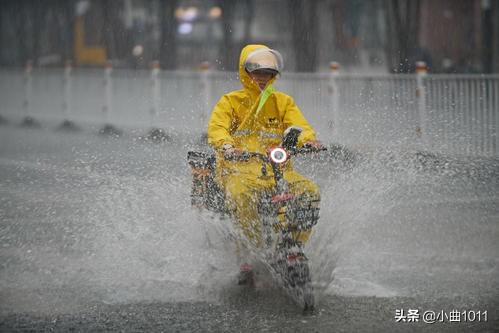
(86, 220)
(394, 226)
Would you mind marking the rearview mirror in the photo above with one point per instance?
(290, 139)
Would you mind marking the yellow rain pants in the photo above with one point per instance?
(243, 194)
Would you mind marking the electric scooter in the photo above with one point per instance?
(279, 211)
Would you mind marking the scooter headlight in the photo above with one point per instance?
(278, 155)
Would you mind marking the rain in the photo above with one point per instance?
(101, 102)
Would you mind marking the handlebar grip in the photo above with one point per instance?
(245, 156)
(309, 149)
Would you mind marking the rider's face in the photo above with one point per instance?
(261, 78)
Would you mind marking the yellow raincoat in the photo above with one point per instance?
(234, 121)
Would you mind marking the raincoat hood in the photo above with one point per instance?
(244, 77)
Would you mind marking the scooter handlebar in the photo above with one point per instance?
(246, 155)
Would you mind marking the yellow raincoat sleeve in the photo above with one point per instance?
(220, 123)
(294, 117)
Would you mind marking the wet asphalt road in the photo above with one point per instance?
(255, 312)
(76, 255)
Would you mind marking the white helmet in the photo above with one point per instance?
(264, 59)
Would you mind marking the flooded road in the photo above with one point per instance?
(98, 234)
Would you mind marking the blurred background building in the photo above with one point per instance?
(453, 36)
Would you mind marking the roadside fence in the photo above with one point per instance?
(453, 114)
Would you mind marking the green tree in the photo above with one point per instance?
(403, 19)
(168, 24)
(304, 33)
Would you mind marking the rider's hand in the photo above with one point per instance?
(230, 152)
(315, 144)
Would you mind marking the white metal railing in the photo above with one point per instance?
(464, 113)
(456, 114)
(444, 113)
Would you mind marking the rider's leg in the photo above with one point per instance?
(243, 194)
(304, 212)
(242, 197)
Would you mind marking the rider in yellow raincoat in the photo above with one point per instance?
(253, 119)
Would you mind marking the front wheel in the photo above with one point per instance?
(308, 299)
(302, 281)
(296, 276)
